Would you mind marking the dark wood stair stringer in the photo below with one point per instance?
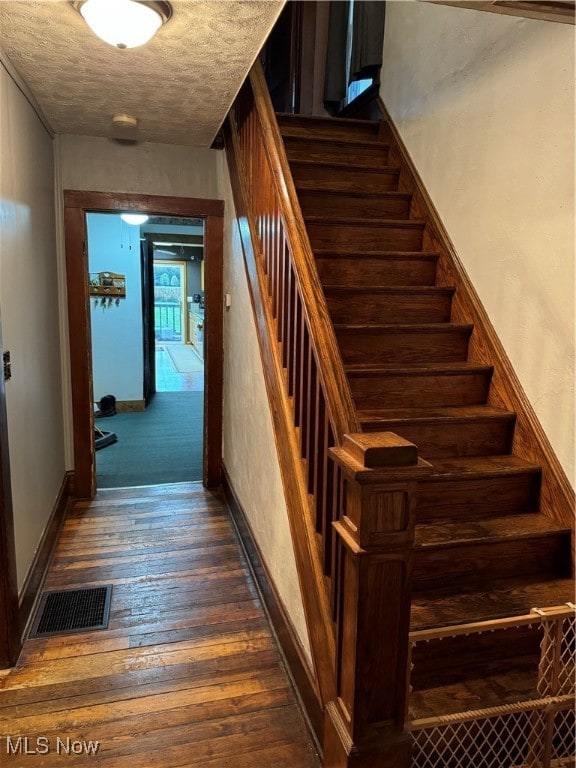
(483, 548)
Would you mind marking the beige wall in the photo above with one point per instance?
(30, 323)
(485, 104)
(249, 446)
(95, 164)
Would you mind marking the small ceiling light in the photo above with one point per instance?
(124, 23)
(134, 218)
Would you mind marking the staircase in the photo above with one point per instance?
(484, 549)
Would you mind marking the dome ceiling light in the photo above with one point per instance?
(124, 23)
(135, 219)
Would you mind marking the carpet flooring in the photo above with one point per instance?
(162, 444)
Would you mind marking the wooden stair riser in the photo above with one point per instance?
(474, 566)
(471, 498)
(391, 205)
(337, 236)
(371, 270)
(409, 391)
(375, 346)
(453, 438)
(455, 659)
(356, 130)
(378, 308)
(371, 154)
(346, 178)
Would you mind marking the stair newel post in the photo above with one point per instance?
(364, 727)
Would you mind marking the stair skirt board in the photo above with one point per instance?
(72, 610)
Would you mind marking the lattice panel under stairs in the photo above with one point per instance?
(538, 733)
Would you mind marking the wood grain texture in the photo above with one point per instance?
(334, 203)
(76, 205)
(284, 631)
(396, 343)
(369, 305)
(193, 682)
(384, 269)
(30, 589)
(367, 153)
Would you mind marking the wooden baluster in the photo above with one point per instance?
(278, 241)
(364, 726)
(297, 359)
(314, 395)
(306, 354)
(282, 256)
(324, 511)
(337, 499)
(290, 331)
(287, 282)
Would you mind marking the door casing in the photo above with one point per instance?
(76, 205)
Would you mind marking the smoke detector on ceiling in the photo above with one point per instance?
(125, 127)
(124, 121)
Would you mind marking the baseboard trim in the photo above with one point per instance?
(286, 636)
(36, 573)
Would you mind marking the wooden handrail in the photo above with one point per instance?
(330, 368)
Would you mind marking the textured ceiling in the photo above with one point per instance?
(179, 86)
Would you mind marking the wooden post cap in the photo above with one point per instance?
(380, 449)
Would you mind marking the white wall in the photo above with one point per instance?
(249, 446)
(485, 105)
(96, 164)
(30, 323)
(117, 353)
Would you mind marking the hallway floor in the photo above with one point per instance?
(187, 674)
(168, 379)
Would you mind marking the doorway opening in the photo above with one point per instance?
(81, 304)
(148, 394)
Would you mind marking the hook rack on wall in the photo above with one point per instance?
(108, 284)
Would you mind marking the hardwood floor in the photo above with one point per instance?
(187, 674)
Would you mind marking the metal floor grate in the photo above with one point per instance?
(73, 610)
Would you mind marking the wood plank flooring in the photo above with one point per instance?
(187, 674)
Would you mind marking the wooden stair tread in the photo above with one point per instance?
(321, 253)
(510, 597)
(480, 466)
(405, 327)
(368, 222)
(346, 164)
(435, 414)
(440, 369)
(338, 140)
(336, 121)
(510, 687)
(313, 186)
(422, 290)
(453, 533)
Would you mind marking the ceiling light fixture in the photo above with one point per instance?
(124, 23)
(134, 218)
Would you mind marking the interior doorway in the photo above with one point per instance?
(77, 205)
(158, 439)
